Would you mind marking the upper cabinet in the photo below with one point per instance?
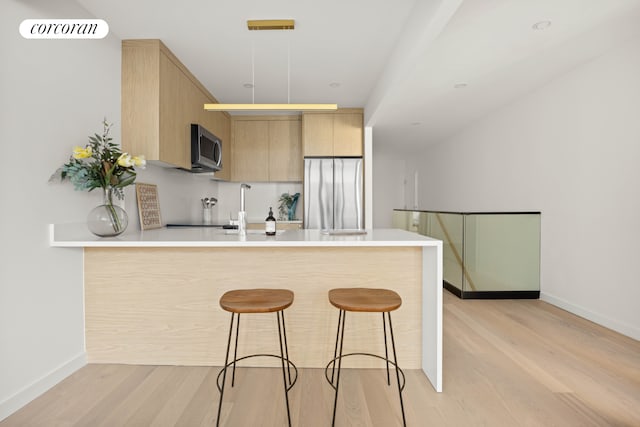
(266, 148)
(160, 100)
(317, 134)
(285, 150)
(250, 150)
(333, 134)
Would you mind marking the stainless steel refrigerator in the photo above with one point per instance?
(333, 193)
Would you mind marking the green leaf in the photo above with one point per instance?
(127, 181)
(91, 173)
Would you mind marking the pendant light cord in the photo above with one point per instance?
(288, 70)
(253, 71)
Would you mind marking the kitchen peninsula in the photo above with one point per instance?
(152, 297)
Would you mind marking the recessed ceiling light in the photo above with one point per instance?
(541, 25)
(334, 84)
(247, 86)
(460, 85)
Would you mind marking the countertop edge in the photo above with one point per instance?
(76, 236)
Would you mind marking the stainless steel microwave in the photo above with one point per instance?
(206, 150)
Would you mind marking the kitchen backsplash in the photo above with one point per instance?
(258, 199)
(180, 193)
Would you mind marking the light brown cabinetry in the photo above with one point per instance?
(333, 134)
(348, 134)
(266, 148)
(160, 100)
(279, 226)
(220, 124)
(317, 137)
(250, 150)
(285, 150)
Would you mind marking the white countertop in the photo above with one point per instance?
(77, 235)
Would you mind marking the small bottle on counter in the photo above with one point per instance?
(270, 224)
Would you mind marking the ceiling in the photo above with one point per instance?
(400, 60)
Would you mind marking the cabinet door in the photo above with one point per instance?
(289, 226)
(160, 100)
(250, 150)
(279, 226)
(140, 85)
(347, 134)
(285, 151)
(317, 134)
(176, 92)
(219, 124)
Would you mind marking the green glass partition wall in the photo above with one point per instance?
(485, 254)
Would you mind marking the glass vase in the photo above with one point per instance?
(108, 219)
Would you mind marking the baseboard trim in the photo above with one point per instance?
(490, 294)
(623, 328)
(448, 286)
(501, 295)
(38, 387)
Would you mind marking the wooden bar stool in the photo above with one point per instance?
(364, 300)
(257, 301)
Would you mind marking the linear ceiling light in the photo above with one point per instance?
(266, 107)
(271, 24)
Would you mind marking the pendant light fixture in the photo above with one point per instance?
(270, 24)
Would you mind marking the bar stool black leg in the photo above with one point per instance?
(284, 372)
(395, 360)
(386, 355)
(286, 347)
(224, 375)
(235, 351)
(335, 402)
(335, 350)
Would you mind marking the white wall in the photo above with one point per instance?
(391, 187)
(570, 149)
(54, 94)
(394, 181)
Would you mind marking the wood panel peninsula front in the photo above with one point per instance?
(152, 297)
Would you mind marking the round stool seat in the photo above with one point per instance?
(256, 300)
(365, 299)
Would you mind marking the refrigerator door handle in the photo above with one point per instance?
(348, 193)
(327, 191)
(338, 194)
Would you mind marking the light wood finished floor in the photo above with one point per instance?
(506, 363)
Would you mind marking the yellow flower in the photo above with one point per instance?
(125, 160)
(82, 153)
(139, 161)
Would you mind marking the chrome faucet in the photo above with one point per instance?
(242, 215)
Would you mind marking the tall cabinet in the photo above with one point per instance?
(160, 100)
